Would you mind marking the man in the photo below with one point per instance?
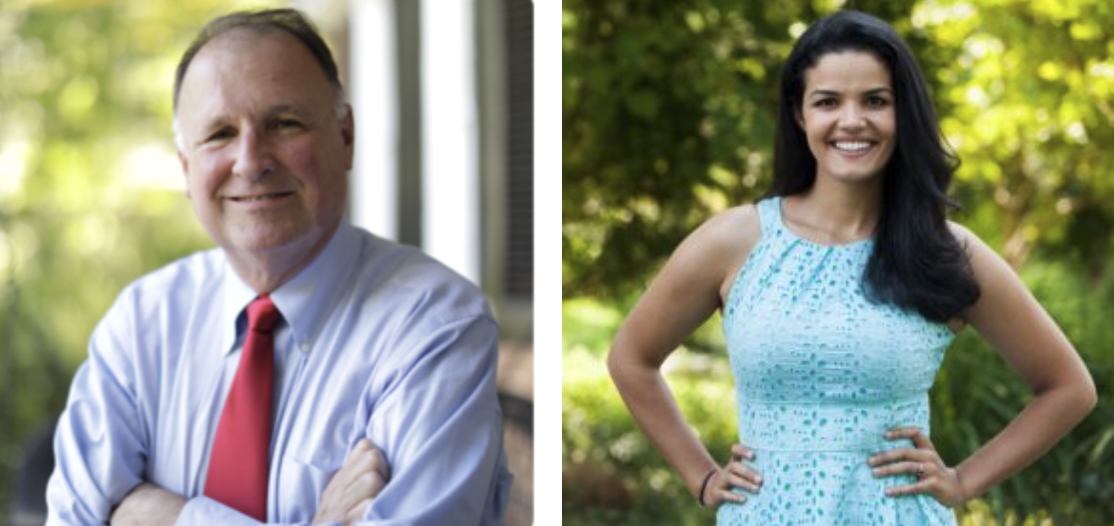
(275, 378)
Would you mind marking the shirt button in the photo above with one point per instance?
(305, 346)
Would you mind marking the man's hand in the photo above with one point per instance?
(351, 490)
(148, 505)
(346, 498)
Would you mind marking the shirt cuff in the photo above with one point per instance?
(203, 511)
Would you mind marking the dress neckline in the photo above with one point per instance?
(866, 241)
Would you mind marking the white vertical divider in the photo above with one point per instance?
(373, 196)
(450, 129)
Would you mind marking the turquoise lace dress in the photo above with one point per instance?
(821, 374)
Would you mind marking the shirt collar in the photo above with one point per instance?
(305, 299)
(237, 296)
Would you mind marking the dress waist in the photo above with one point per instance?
(848, 427)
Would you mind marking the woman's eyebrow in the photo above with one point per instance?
(833, 93)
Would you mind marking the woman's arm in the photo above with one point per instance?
(1012, 321)
(685, 293)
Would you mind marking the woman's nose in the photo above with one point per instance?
(851, 117)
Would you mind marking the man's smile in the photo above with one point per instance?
(260, 197)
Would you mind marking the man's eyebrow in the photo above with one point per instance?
(208, 127)
(279, 109)
(832, 93)
(214, 122)
(220, 121)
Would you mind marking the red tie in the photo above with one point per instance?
(239, 463)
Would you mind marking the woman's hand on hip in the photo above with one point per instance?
(923, 462)
(736, 474)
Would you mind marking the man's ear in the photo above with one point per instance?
(348, 135)
(185, 171)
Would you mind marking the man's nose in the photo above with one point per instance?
(253, 155)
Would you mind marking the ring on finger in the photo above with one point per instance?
(920, 470)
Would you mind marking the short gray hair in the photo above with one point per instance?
(291, 21)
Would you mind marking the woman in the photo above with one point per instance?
(839, 294)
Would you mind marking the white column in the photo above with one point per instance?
(450, 175)
(373, 93)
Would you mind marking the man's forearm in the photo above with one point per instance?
(345, 501)
(148, 505)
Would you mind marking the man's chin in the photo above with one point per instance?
(269, 241)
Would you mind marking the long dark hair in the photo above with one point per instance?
(917, 263)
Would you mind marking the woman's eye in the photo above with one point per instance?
(825, 103)
(877, 102)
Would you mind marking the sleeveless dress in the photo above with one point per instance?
(821, 374)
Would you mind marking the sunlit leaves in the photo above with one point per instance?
(662, 101)
(1028, 97)
(90, 188)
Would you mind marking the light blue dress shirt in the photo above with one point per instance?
(377, 340)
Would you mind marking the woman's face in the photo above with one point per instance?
(848, 116)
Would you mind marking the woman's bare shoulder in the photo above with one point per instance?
(724, 242)
(732, 233)
(961, 233)
(975, 247)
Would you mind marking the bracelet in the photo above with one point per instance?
(704, 486)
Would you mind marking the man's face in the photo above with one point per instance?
(264, 154)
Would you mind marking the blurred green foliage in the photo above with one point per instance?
(668, 110)
(91, 193)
